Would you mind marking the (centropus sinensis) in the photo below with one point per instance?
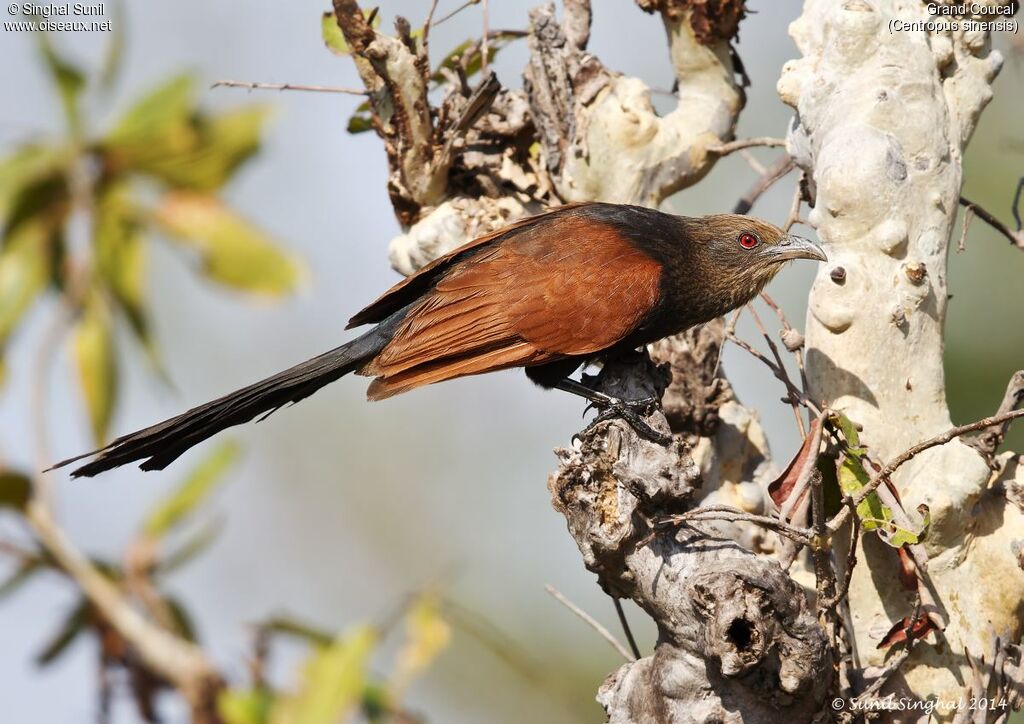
(548, 293)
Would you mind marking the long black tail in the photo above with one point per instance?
(161, 444)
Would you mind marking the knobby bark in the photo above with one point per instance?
(883, 121)
(688, 531)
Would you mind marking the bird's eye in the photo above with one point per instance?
(748, 240)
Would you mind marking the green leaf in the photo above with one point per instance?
(74, 623)
(495, 42)
(24, 271)
(20, 577)
(158, 122)
(113, 54)
(900, 537)
(233, 252)
(216, 148)
(182, 620)
(361, 119)
(67, 78)
(45, 200)
(853, 477)
(849, 431)
(193, 491)
(245, 706)
(15, 490)
(121, 255)
(376, 704)
(25, 168)
(333, 681)
(193, 546)
(96, 360)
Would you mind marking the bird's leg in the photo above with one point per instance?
(612, 407)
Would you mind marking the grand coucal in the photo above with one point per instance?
(548, 293)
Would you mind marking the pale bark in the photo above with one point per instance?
(883, 122)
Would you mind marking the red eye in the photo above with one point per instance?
(748, 240)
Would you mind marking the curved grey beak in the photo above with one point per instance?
(794, 247)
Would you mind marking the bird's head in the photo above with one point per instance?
(742, 253)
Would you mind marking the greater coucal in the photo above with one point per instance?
(549, 293)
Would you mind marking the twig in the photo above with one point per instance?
(724, 149)
(625, 627)
(794, 208)
(851, 562)
(769, 177)
(789, 332)
(911, 452)
(794, 403)
(990, 439)
(1016, 237)
(590, 621)
(755, 165)
(254, 85)
(1016, 203)
(886, 673)
(735, 515)
(779, 374)
(456, 11)
(425, 44)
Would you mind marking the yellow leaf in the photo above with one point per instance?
(24, 271)
(332, 35)
(427, 635)
(233, 251)
(192, 491)
(96, 360)
(333, 681)
(244, 706)
(121, 253)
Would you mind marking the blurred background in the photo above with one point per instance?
(338, 510)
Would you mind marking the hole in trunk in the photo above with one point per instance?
(740, 634)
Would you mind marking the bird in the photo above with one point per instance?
(576, 284)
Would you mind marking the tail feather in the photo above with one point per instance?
(159, 445)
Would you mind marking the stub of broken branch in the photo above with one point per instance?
(735, 630)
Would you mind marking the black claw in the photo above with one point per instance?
(626, 410)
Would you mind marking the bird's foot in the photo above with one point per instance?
(629, 411)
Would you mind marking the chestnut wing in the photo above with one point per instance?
(569, 287)
(415, 285)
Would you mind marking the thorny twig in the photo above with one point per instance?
(255, 85)
(590, 621)
(793, 402)
(780, 373)
(989, 440)
(735, 515)
(794, 209)
(1016, 238)
(793, 340)
(769, 177)
(883, 474)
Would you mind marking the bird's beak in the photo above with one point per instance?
(794, 247)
